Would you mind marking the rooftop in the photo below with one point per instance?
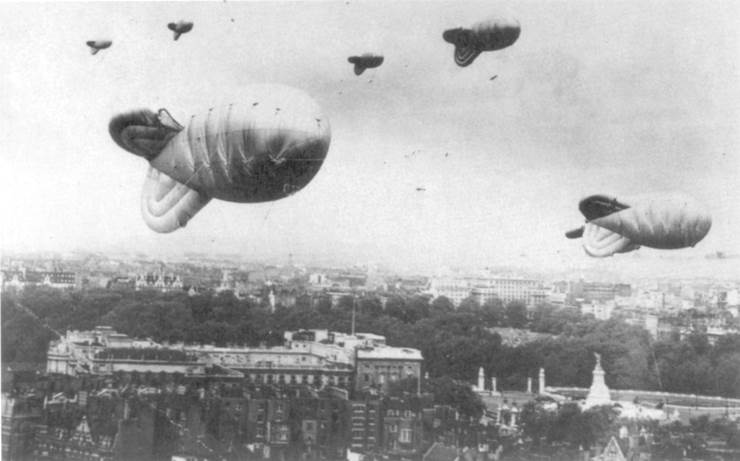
(389, 353)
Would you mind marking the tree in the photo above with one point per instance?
(516, 314)
(493, 312)
(536, 421)
(456, 394)
(323, 306)
(441, 305)
(727, 375)
(469, 305)
(370, 306)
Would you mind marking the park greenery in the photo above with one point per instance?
(568, 425)
(454, 342)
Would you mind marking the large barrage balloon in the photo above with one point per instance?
(180, 27)
(97, 45)
(493, 34)
(268, 144)
(663, 221)
(365, 61)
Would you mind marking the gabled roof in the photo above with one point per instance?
(612, 451)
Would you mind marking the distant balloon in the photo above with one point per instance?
(266, 145)
(662, 221)
(365, 61)
(493, 34)
(180, 27)
(97, 45)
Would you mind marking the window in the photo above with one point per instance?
(367, 377)
(282, 434)
(405, 436)
(393, 428)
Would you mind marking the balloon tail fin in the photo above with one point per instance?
(168, 205)
(94, 51)
(599, 242)
(359, 69)
(465, 54)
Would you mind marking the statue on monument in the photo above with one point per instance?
(598, 394)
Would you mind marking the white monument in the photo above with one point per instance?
(541, 381)
(599, 393)
(494, 390)
(481, 380)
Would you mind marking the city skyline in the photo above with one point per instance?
(619, 98)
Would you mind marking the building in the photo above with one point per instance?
(597, 291)
(365, 425)
(76, 444)
(121, 283)
(507, 289)
(379, 366)
(279, 365)
(76, 352)
(402, 427)
(20, 418)
(159, 282)
(19, 279)
(601, 310)
(374, 363)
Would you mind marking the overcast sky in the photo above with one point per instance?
(595, 97)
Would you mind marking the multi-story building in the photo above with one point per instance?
(402, 426)
(278, 365)
(374, 363)
(365, 425)
(454, 289)
(597, 291)
(77, 350)
(507, 289)
(77, 444)
(20, 417)
(379, 366)
(159, 282)
(19, 279)
(601, 310)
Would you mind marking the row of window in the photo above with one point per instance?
(366, 367)
(295, 379)
(405, 436)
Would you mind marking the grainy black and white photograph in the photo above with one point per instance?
(365, 230)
